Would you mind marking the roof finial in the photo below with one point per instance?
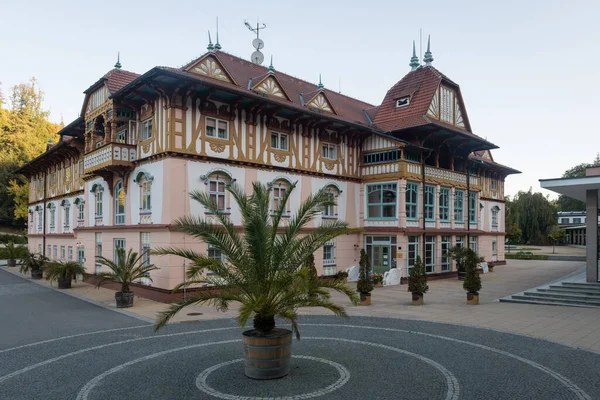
(320, 87)
(217, 45)
(414, 60)
(210, 46)
(428, 56)
(118, 63)
(271, 67)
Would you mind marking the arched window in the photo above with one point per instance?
(281, 188)
(495, 211)
(52, 209)
(66, 205)
(98, 191)
(119, 194)
(216, 181)
(331, 211)
(146, 194)
(80, 208)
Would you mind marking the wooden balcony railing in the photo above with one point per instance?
(110, 155)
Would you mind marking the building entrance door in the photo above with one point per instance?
(380, 250)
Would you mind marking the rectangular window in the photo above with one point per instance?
(49, 251)
(67, 216)
(460, 241)
(494, 184)
(412, 200)
(146, 195)
(217, 128)
(53, 179)
(329, 253)
(413, 250)
(62, 253)
(118, 244)
(445, 248)
(429, 254)
(55, 252)
(122, 136)
(329, 151)
(429, 203)
(98, 199)
(52, 217)
(81, 213)
(81, 168)
(40, 248)
(216, 191)
(98, 251)
(278, 196)
(381, 201)
(70, 253)
(473, 243)
(40, 220)
(445, 204)
(382, 157)
(279, 141)
(494, 218)
(146, 129)
(214, 253)
(329, 211)
(564, 220)
(145, 247)
(459, 198)
(576, 220)
(472, 207)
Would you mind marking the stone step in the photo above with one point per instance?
(556, 300)
(582, 284)
(542, 302)
(562, 289)
(572, 296)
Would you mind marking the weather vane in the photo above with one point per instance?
(257, 57)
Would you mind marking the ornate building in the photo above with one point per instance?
(409, 171)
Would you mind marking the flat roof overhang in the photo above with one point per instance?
(575, 188)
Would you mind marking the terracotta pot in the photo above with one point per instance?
(365, 299)
(267, 356)
(124, 299)
(378, 285)
(491, 269)
(417, 299)
(472, 298)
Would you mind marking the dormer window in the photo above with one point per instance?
(402, 102)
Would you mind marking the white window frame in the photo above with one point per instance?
(67, 210)
(98, 199)
(40, 222)
(331, 211)
(52, 216)
(429, 262)
(54, 252)
(401, 103)
(120, 217)
(280, 190)
(216, 134)
(98, 240)
(217, 193)
(214, 253)
(62, 253)
(118, 243)
(146, 194)
(278, 142)
(329, 151)
(146, 129)
(412, 248)
(473, 243)
(81, 211)
(329, 259)
(445, 242)
(70, 253)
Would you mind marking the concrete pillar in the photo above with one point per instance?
(592, 235)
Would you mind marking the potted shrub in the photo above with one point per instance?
(11, 253)
(417, 282)
(491, 266)
(459, 254)
(129, 268)
(34, 263)
(263, 269)
(472, 282)
(63, 272)
(342, 276)
(377, 280)
(364, 284)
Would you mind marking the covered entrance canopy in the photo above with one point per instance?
(586, 189)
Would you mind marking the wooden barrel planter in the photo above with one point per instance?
(124, 299)
(269, 356)
(64, 283)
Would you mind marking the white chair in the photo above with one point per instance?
(353, 273)
(484, 267)
(392, 277)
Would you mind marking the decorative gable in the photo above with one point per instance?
(446, 107)
(434, 107)
(458, 119)
(271, 87)
(320, 102)
(212, 68)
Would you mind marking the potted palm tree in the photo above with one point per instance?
(11, 253)
(491, 266)
(129, 268)
(34, 263)
(263, 269)
(63, 272)
(472, 282)
(365, 283)
(417, 282)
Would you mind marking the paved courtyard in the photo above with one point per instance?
(55, 346)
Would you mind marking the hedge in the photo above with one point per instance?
(522, 255)
(16, 239)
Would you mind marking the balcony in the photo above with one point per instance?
(111, 157)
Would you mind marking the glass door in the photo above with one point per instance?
(380, 250)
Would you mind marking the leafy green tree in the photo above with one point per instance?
(566, 203)
(513, 234)
(534, 214)
(555, 234)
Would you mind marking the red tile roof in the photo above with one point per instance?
(117, 78)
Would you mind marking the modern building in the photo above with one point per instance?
(585, 189)
(573, 222)
(409, 171)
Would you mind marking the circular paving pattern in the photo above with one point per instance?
(362, 358)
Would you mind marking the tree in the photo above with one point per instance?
(566, 203)
(513, 234)
(264, 271)
(534, 214)
(555, 234)
(365, 283)
(472, 282)
(417, 281)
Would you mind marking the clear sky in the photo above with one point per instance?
(528, 70)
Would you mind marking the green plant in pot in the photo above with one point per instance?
(364, 286)
(63, 272)
(491, 266)
(417, 282)
(11, 253)
(263, 269)
(377, 279)
(34, 263)
(342, 276)
(459, 254)
(472, 282)
(128, 268)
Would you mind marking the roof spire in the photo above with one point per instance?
(428, 56)
(210, 46)
(271, 67)
(217, 45)
(118, 63)
(414, 60)
(320, 87)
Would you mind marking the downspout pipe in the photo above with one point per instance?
(423, 157)
(44, 219)
(468, 206)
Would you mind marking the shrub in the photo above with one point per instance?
(310, 265)
(526, 256)
(341, 275)
(365, 284)
(417, 280)
(472, 282)
(16, 239)
(62, 270)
